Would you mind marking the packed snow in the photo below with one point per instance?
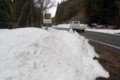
(109, 31)
(67, 26)
(61, 26)
(36, 54)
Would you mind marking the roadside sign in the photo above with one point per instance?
(47, 21)
(47, 18)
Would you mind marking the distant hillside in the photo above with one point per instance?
(105, 12)
(70, 10)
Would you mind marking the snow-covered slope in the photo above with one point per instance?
(35, 54)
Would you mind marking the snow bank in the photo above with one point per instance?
(35, 54)
(62, 26)
(110, 31)
(67, 25)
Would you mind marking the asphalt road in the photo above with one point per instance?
(108, 40)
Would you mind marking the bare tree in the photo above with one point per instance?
(43, 6)
(118, 3)
(11, 11)
(31, 3)
(30, 10)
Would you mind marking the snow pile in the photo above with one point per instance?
(110, 31)
(35, 54)
(67, 26)
(61, 26)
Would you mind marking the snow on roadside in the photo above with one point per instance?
(35, 54)
(61, 26)
(67, 25)
(110, 31)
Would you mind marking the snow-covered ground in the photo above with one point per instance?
(36, 54)
(61, 26)
(67, 25)
(109, 31)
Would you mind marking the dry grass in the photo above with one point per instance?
(109, 60)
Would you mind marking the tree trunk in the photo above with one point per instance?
(21, 13)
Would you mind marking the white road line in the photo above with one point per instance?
(105, 44)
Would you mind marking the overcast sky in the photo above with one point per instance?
(53, 10)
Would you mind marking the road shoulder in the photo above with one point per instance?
(109, 60)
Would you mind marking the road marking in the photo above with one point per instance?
(116, 34)
(105, 44)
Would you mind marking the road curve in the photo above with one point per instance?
(109, 40)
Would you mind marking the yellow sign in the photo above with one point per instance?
(47, 16)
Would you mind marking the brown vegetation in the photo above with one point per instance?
(109, 60)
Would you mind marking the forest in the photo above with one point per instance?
(102, 12)
(22, 13)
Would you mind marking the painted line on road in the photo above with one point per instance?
(116, 34)
(105, 44)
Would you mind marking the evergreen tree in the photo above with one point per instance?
(104, 12)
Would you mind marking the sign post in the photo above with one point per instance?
(47, 20)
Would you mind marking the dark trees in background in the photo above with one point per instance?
(3, 16)
(13, 11)
(117, 18)
(65, 11)
(22, 13)
(103, 12)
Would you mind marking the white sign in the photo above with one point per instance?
(47, 21)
